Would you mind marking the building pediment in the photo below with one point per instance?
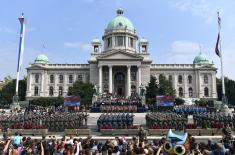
(119, 55)
(36, 66)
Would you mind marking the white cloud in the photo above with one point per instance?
(77, 45)
(198, 7)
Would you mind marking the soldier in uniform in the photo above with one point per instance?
(142, 134)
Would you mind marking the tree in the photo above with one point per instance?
(229, 90)
(8, 91)
(84, 90)
(164, 87)
(179, 101)
(48, 101)
(151, 91)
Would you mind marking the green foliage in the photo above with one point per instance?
(48, 101)
(151, 91)
(84, 90)
(204, 124)
(179, 101)
(163, 88)
(8, 91)
(229, 90)
(202, 102)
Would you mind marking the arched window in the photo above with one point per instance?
(61, 78)
(190, 91)
(51, 91)
(205, 79)
(180, 79)
(180, 92)
(170, 78)
(206, 92)
(60, 91)
(190, 79)
(36, 78)
(51, 78)
(36, 91)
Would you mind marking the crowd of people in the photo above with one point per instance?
(115, 121)
(19, 145)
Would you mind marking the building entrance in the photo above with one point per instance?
(119, 84)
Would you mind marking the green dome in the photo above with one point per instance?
(200, 59)
(41, 59)
(120, 22)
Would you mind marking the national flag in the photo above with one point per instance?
(217, 50)
(21, 45)
(72, 101)
(217, 46)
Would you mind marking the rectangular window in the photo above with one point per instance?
(106, 76)
(133, 76)
(36, 78)
(51, 78)
(96, 48)
(144, 48)
(109, 42)
(79, 77)
(70, 78)
(61, 78)
(131, 42)
(119, 41)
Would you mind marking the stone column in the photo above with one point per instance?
(139, 78)
(100, 79)
(29, 83)
(41, 91)
(110, 79)
(213, 84)
(128, 80)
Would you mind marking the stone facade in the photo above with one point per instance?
(120, 67)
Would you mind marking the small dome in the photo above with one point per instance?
(143, 40)
(200, 59)
(41, 59)
(120, 22)
(96, 40)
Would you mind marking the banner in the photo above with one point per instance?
(71, 101)
(164, 101)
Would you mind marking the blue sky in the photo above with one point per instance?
(174, 28)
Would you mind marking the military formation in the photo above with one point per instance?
(55, 122)
(115, 121)
(167, 120)
(116, 108)
(213, 120)
(115, 103)
(189, 109)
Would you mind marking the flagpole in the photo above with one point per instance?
(224, 99)
(20, 56)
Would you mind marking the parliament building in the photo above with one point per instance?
(120, 64)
